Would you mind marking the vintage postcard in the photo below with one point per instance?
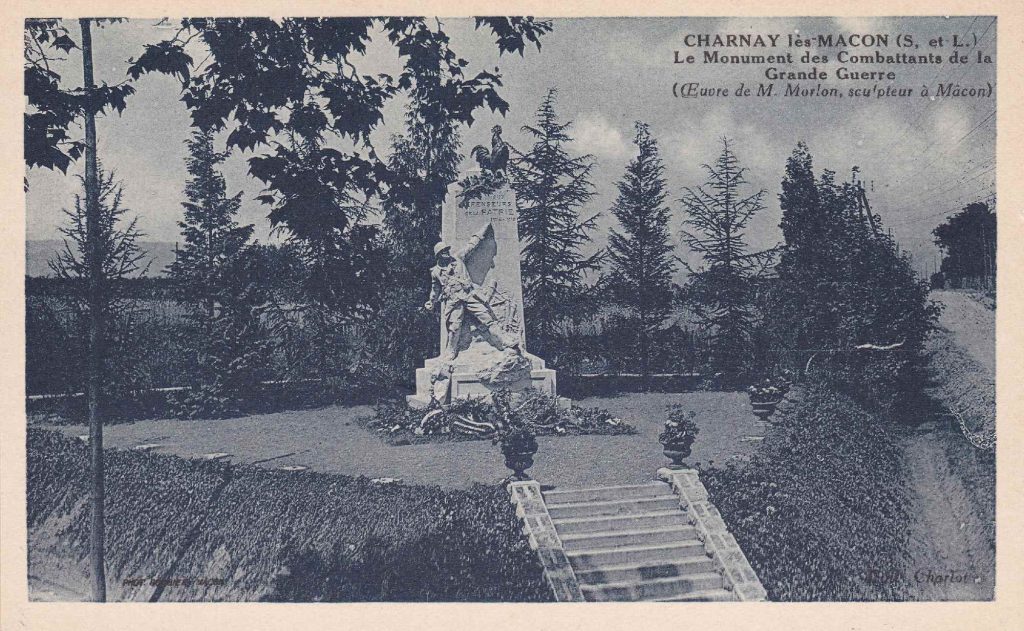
(591, 307)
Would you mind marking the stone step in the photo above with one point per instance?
(607, 493)
(612, 523)
(645, 571)
(703, 595)
(664, 553)
(614, 507)
(623, 538)
(654, 588)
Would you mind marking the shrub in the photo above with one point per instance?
(820, 510)
(472, 552)
(256, 534)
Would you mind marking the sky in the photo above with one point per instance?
(921, 159)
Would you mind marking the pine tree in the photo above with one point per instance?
(119, 258)
(551, 186)
(424, 162)
(642, 263)
(211, 234)
(220, 287)
(722, 292)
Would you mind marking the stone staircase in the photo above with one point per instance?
(633, 543)
(651, 542)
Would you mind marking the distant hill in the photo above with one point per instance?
(37, 253)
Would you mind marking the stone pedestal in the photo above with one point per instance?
(467, 382)
(494, 267)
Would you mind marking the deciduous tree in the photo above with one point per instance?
(968, 241)
(265, 77)
(849, 304)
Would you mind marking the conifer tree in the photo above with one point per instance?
(119, 258)
(721, 293)
(850, 308)
(642, 263)
(219, 286)
(211, 234)
(803, 223)
(551, 187)
(120, 255)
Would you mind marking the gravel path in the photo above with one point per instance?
(330, 440)
(972, 324)
(950, 555)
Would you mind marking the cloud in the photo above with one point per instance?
(595, 134)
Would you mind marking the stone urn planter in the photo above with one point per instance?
(677, 452)
(763, 410)
(766, 396)
(678, 436)
(514, 435)
(519, 450)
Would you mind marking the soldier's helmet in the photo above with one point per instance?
(439, 247)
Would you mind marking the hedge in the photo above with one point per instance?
(245, 533)
(821, 509)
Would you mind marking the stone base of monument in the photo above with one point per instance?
(468, 381)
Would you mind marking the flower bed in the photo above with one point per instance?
(821, 508)
(399, 424)
(245, 533)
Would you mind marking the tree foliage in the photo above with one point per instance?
(551, 187)
(117, 236)
(640, 252)
(968, 241)
(211, 234)
(291, 87)
(722, 292)
(848, 302)
(424, 162)
(265, 75)
(219, 286)
(120, 258)
(52, 108)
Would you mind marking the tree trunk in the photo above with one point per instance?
(94, 363)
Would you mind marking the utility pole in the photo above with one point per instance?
(95, 301)
(863, 207)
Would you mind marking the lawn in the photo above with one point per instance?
(332, 440)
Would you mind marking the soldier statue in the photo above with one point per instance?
(452, 286)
